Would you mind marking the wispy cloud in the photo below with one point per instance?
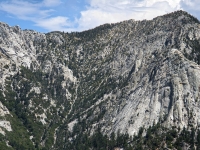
(58, 23)
(21, 9)
(41, 14)
(51, 3)
(191, 5)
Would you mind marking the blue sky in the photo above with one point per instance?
(79, 15)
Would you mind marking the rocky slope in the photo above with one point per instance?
(116, 77)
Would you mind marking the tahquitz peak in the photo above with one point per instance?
(116, 77)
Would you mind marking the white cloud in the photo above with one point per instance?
(111, 11)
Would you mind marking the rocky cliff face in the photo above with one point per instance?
(118, 77)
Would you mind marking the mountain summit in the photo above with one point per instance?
(58, 89)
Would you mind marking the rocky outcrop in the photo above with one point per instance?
(168, 91)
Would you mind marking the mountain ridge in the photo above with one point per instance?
(116, 77)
